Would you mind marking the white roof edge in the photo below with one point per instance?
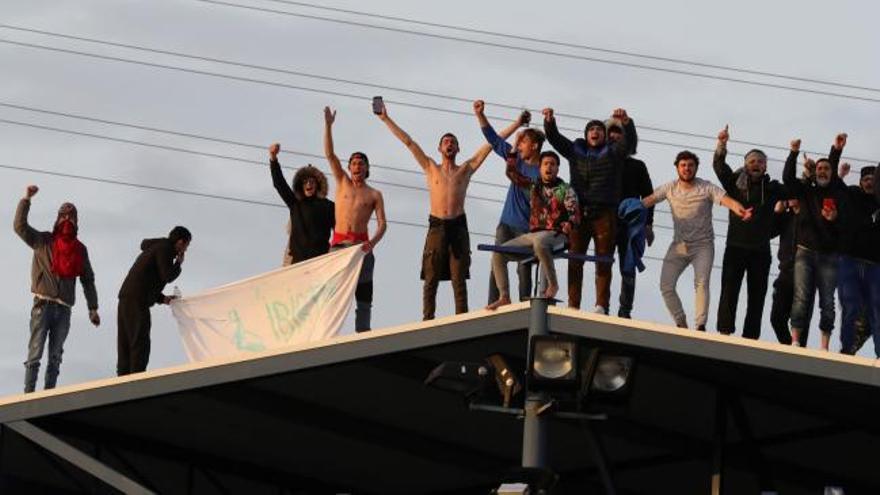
(734, 349)
(301, 356)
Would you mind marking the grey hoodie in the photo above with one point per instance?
(43, 282)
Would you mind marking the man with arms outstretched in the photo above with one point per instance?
(691, 199)
(355, 204)
(447, 254)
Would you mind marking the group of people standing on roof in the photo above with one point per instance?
(59, 259)
(829, 234)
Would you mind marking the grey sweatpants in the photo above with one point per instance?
(542, 244)
(679, 256)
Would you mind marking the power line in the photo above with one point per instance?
(203, 153)
(207, 154)
(420, 173)
(222, 197)
(544, 52)
(328, 92)
(324, 77)
(182, 191)
(576, 45)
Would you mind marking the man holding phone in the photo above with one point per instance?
(447, 253)
(515, 214)
(355, 204)
(823, 204)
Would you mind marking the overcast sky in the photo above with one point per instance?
(234, 240)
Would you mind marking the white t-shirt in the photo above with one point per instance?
(691, 208)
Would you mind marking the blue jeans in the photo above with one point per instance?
(858, 286)
(813, 271)
(48, 320)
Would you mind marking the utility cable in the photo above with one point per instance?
(324, 77)
(543, 52)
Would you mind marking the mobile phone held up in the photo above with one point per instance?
(378, 105)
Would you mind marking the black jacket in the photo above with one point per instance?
(861, 236)
(152, 269)
(636, 183)
(813, 231)
(762, 196)
(311, 218)
(596, 174)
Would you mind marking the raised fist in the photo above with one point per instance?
(31, 191)
(840, 141)
(724, 135)
(479, 107)
(274, 149)
(845, 168)
(548, 114)
(620, 114)
(795, 145)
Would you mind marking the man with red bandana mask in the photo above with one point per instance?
(59, 258)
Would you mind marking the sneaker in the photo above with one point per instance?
(624, 314)
(600, 310)
(701, 328)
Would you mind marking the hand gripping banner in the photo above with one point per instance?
(300, 303)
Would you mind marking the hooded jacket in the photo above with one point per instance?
(596, 173)
(861, 229)
(44, 282)
(761, 196)
(813, 231)
(312, 219)
(152, 269)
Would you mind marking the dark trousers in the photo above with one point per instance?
(133, 337)
(600, 226)
(504, 233)
(627, 282)
(755, 266)
(447, 256)
(780, 311)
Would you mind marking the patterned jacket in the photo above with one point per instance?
(552, 205)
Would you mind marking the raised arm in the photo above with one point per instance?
(719, 163)
(789, 173)
(335, 167)
(420, 156)
(381, 222)
(20, 223)
(498, 141)
(627, 146)
(836, 151)
(559, 142)
(278, 181)
(518, 179)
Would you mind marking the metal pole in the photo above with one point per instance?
(534, 446)
(718, 442)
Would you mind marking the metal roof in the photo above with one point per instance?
(351, 415)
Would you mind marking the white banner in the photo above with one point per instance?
(304, 302)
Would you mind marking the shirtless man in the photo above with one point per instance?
(447, 254)
(355, 204)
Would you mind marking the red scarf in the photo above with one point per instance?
(67, 251)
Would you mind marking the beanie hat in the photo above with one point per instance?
(754, 151)
(594, 123)
(868, 170)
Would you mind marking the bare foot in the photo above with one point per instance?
(551, 291)
(503, 300)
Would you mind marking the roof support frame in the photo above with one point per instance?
(78, 458)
